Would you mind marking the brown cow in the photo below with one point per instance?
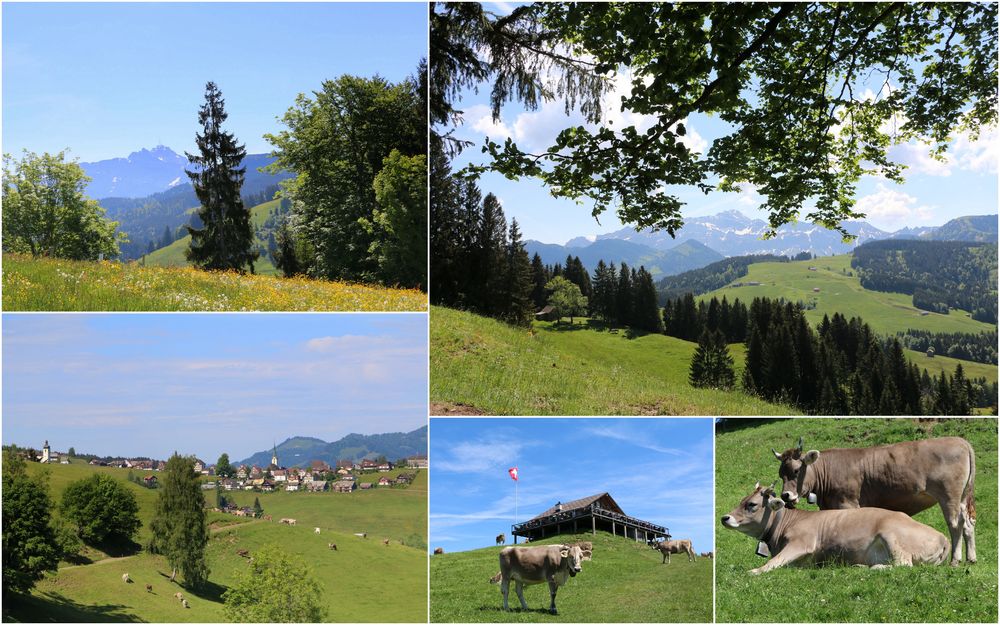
(909, 477)
(667, 547)
(438, 551)
(385, 541)
(554, 564)
(862, 536)
(501, 539)
(149, 588)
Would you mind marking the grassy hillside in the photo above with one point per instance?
(937, 364)
(363, 581)
(886, 313)
(624, 583)
(49, 284)
(173, 255)
(848, 594)
(498, 369)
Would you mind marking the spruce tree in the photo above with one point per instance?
(518, 286)
(226, 240)
(539, 278)
(712, 365)
(490, 259)
(178, 529)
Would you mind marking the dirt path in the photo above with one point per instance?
(442, 408)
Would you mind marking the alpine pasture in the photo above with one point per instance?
(51, 284)
(831, 594)
(362, 581)
(582, 369)
(625, 582)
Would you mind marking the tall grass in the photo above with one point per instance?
(49, 284)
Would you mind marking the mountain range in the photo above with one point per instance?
(731, 233)
(659, 262)
(299, 451)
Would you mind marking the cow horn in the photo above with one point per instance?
(800, 443)
(776, 454)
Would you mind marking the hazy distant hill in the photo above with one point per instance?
(677, 259)
(977, 228)
(301, 450)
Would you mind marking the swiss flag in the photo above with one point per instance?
(513, 473)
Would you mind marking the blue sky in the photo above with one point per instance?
(933, 194)
(108, 79)
(150, 384)
(657, 469)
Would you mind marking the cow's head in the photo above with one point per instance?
(794, 473)
(751, 516)
(573, 557)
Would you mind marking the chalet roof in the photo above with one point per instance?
(545, 310)
(605, 499)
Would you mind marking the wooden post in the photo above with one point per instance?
(614, 530)
(593, 525)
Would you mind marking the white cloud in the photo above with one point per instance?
(485, 456)
(981, 155)
(916, 156)
(347, 342)
(893, 208)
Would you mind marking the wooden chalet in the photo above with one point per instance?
(597, 512)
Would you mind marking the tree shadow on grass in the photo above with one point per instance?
(119, 550)
(50, 607)
(209, 591)
(732, 424)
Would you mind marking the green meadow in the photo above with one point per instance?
(363, 581)
(832, 594)
(840, 291)
(487, 366)
(56, 285)
(624, 583)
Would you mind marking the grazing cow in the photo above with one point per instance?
(501, 539)
(861, 536)
(316, 530)
(288, 521)
(709, 555)
(554, 564)
(667, 547)
(331, 546)
(908, 477)
(438, 551)
(149, 588)
(184, 602)
(178, 596)
(385, 542)
(267, 517)
(126, 578)
(362, 534)
(243, 553)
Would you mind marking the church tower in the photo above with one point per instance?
(45, 452)
(274, 456)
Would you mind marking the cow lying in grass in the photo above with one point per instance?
(862, 536)
(553, 564)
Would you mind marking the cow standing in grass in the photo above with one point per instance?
(501, 539)
(909, 477)
(667, 547)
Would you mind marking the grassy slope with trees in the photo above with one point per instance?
(886, 313)
(846, 594)
(51, 284)
(559, 369)
(93, 591)
(625, 582)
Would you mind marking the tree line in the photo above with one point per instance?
(840, 367)
(980, 347)
(713, 276)
(938, 274)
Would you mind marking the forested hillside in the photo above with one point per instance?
(938, 274)
(713, 276)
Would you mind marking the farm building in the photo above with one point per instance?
(546, 314)
(343, 486)
(597, 512)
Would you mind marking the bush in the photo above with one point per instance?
(102, 508)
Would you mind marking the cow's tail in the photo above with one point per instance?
(496, 578)
(970, 488)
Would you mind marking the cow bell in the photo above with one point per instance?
(811, 498)
(763, 550)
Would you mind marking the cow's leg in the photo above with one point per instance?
(969, 534)
(785, 557)
(519, 589)
(504, 589)
(953, 518)
(553, 587)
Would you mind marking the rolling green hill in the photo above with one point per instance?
(350, 578)
(482, 365)
(847, 594)
(624, 583)
(839, 291)
(51, 284)
(173, 254)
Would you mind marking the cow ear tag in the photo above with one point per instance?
(811, 498)
(762, 549)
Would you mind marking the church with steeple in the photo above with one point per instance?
(274, 458)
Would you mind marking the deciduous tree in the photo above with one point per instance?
(178, 529)
(276, 587)
(103, 509)
(30, 547)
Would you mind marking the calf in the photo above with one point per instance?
(862, 536)
(667, 547)
(554, 564)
